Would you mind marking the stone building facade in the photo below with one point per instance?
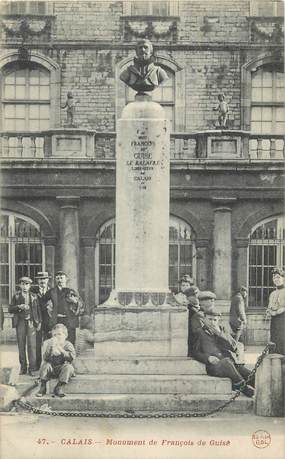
(58, 181)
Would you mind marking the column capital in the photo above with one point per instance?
(222, 209)
(224, 202)
(242, 242)
(50, 240)
(88, 241)
(71, 202)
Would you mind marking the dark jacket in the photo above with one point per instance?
(43, 307)
(206, 344)
(237, 311)
(35, 312)
(60, 303)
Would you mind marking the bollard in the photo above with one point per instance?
(269, 383)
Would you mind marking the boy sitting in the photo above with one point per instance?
(57, 357)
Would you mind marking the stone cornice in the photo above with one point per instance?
(90, 44)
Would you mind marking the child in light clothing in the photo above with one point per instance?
(58, 356)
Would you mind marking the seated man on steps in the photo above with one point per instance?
(57, 357)
(216, 349)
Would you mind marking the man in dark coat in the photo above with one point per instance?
(40, 290)
(27, 320)
(216, 349)
(63, 306)
(238, 315)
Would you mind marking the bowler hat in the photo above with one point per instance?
(60, 273)
(26, 280)
(206, 295)
(278, 271)
(43, 275)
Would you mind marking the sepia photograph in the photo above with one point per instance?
(142, 245)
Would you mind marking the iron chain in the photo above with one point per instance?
(27, 405)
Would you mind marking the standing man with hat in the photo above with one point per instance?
(276, 311)
(40, 290)
(64, 305)
(27, 320)
(238, 315)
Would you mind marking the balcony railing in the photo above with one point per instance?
(72, 144)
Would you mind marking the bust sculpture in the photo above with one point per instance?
(144, 75)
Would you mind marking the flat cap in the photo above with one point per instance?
(26, 280)
(60, 273)
(206, 295)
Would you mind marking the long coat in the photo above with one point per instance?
(19, 314)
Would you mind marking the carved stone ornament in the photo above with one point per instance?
(27, 26)
(151, 29)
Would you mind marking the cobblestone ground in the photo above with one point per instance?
(26, 436)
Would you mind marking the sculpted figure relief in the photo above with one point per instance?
(144, 75)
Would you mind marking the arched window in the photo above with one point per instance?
(267, 108)
(181, 256)
(25, 97)
(266, 250)
(22, 252)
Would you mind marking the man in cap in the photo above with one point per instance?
(64, 305)
(27, 320)
(216, 349)
(276, 310)
(207, 300)
(238, 315)
(40, 290)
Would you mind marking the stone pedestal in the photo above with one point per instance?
(137, 319)
(141, 332)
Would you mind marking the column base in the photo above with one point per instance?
(147, 330)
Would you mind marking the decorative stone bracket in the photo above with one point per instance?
(269, 30)
(152, 28)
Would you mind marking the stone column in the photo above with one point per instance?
(87, 267)
(69, 238)
(222, 260)
(241, 262)
(50, 244)
(202, 263)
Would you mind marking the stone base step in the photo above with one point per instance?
(142, 403)
(147, 384)
(90, 364)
